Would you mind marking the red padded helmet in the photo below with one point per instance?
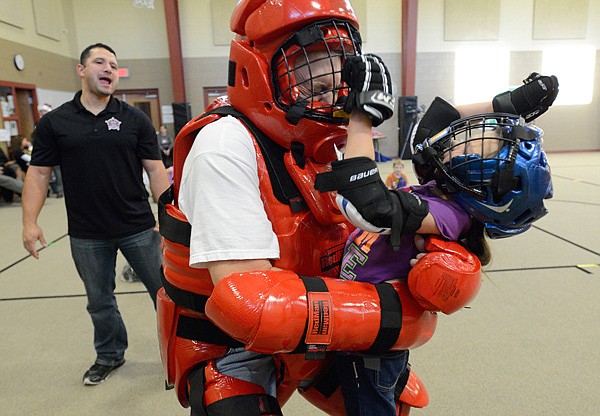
(285, 70)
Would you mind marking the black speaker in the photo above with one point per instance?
(182, 113)
(407, 118)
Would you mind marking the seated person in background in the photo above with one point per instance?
(21, 149)
(397, 179)
(9, 184)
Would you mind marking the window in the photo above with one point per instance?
(480, 73)
(574, 66)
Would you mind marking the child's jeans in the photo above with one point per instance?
(368, 381)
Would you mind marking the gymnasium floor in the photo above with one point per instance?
(528, 345)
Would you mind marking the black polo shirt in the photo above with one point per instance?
(101, 164)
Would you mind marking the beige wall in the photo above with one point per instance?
(140, 39)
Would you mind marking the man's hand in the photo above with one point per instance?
(371, 87)
(31, 235)
(530, 100)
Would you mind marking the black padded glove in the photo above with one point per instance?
(370, 87)
(530, 100)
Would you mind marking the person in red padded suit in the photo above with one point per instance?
(243, 209)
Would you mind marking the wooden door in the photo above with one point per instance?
(145, 100)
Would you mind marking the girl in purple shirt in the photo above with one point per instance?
(471, 154)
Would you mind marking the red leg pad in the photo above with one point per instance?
(414, 393)
(179, 355)
(218, 386)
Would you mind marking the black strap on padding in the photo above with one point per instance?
(170, 227)
(198, 329)
(328, 382)
(391, 315)
(196, 380)
(391, 319)
(184, 298)
(401, 383)
(245, 405)
(312, 284)
(297, 150)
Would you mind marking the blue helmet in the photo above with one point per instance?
(494, 166)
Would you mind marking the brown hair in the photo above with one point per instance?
(476, 243)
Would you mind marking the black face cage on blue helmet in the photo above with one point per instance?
(326, 43)
(493, 165)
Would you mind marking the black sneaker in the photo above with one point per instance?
(98, 373)
(128, 275)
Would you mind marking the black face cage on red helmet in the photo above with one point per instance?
(326, 43)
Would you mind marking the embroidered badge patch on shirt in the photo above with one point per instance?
(113, 124)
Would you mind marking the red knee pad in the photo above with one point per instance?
(219, 394)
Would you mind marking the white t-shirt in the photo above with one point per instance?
(220, 197)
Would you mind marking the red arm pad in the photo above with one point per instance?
(269, 310)
(447, 278)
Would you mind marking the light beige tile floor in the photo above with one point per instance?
(528, 345)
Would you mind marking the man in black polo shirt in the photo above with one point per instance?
(102, 146)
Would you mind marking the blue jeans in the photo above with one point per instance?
(250, 366)
(368, 382)
(95, 261)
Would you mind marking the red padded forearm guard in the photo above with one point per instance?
(447, 278)
(269, 311)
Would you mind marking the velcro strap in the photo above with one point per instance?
(391, 319)
(184, 298)
(317, 332)
(196, 381)
(198, 329)
(170, 227)
(401, 383)
(246, 405)
(348, 174)
(243, 405)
